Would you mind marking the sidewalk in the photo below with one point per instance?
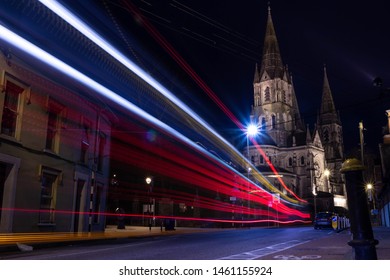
(29, 241)
(333, 247)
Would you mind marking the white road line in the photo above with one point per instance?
(254, 254)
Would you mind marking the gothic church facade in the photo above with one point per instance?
(308, 161)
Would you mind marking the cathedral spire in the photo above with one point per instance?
(308, 136)
(257, 76)
(272, 61)
(328, 113)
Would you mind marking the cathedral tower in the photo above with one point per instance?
(330, 129)
(275, 107)
(301, 157)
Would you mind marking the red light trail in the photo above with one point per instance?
(185, 66)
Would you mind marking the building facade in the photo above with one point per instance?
(309, 161)
(54, 147)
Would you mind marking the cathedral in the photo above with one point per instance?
(308, 161)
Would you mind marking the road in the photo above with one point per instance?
(241, 244)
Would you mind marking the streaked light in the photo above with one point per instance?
(77, 23)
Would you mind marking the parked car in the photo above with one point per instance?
(323, 220)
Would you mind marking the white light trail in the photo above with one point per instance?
(26, 46)
(43, 56)
(87, 31)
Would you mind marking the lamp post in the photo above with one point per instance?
(149, 182)
(315, 199)
(363, 240)
(251, 131)
(313, 185)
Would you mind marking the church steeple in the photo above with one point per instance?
(328, 113)
(331, 133)
(272, 61)
(275, 106)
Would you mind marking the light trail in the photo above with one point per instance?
(48, 59)
(197, 170)
(191, 170)
(160, 217)
(77, 23)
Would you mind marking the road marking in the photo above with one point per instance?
(292, 257)
(251, 255)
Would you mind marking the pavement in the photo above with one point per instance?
(332, 247)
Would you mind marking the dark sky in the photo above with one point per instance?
(222, 40)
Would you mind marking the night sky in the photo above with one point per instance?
(222, 41)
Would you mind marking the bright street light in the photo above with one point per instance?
(148, 180)
(252, 130)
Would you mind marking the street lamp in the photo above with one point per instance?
(149, 182)
(251, 131)
(315, 199)
(371, 196)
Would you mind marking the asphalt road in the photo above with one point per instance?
(241, 244)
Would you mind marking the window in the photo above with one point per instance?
(49, 181)
(263, 123)
(302, 160)
(253, 159)
(284, 98)
(257, 100)
(290, 161)
(326, 136)
(267, 95)
(12, 95)
(261, 159)
(273, 122)
(53, 126)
